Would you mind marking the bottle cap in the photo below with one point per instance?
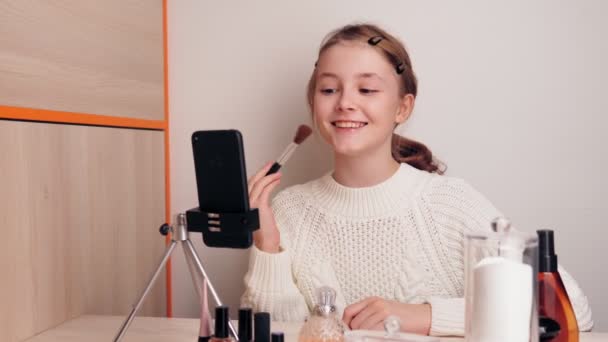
(221, 322)
(278, 337)
(261, 326)
(245, 324)
(326, 299)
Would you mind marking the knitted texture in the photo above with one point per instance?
(401, 240)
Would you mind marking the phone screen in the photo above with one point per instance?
(220, 171)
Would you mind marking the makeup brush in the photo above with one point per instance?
(302, 133)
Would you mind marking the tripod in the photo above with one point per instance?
(197, 271)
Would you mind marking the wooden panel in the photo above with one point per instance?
(86, 56)
(81, 208)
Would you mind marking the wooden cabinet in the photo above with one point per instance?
(81, 207)
(83, 164)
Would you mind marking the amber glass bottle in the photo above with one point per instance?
(553, 300)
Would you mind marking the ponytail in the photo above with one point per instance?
(416, 154)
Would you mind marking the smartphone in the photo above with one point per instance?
(219, 163)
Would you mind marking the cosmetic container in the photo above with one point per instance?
(221, 334)
(500, 285)
(323, 325)
(245, 324)
(558, 321)
(261, 329)
(277, 337)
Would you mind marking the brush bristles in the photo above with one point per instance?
(304, 131)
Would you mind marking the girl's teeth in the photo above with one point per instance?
(349, 124)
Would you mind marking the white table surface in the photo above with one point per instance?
(160, 329)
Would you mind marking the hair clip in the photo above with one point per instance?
(374, 40)
(400, 68)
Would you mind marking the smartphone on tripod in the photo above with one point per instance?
(221, 180)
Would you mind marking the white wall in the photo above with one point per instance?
(512, 98)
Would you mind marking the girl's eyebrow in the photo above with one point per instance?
(370, 75)
(328, 74)
(361, 75)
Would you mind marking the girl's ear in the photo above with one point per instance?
(406, 106)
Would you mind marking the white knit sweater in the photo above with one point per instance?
(400, 240)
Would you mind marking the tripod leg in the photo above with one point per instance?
(127, 322)
(191, 253)
(197, 276)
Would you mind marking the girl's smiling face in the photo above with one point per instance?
(358, 99)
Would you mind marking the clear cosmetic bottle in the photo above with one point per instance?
(323, 325)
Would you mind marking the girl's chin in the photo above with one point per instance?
(347, 150)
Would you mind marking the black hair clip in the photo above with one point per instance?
(374, 40)
(400, 68)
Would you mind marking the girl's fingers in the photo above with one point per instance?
(375, 321)
(362, 317)
(265, 195)
(261, 172)
(259, 186)
(352, 310)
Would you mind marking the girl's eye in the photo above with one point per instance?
(328, 91)
(367, 91)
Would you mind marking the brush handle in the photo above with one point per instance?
(275, 167)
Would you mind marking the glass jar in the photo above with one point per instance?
(500, 285)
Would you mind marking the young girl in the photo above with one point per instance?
(385, 229)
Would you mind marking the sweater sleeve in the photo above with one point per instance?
(579, 301)
(269, 283)
(457, 209)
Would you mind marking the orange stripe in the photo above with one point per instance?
(167, 161)
(32, 114)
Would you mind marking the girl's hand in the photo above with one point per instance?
(371, 312)
(267, 237)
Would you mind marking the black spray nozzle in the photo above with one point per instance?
(546, 251)
(545, 242)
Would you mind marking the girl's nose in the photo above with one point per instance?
(346, 102)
